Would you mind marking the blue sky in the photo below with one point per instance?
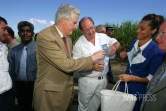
(42, 12)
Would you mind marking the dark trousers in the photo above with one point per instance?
(7, 102)
(109, 74)
(24, 95)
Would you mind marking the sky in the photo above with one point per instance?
(42, 12)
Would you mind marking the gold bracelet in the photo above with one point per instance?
(137, 78)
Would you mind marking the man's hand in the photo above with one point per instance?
(113, 50)
(98, 66)
(123, 54)
(98, 55)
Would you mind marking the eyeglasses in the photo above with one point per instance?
(161, 34)
(88, 30)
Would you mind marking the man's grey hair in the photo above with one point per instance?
(66, 11)
(98, 28)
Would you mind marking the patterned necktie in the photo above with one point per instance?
(136, 53)
(157, 79)
(64, 40)
(23, 61)
(152, 85)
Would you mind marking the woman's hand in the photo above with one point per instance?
(125, 77)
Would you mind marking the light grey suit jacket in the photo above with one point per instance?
(157, 96)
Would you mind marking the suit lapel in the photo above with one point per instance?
(69, 46)
(152, 80)
(159, 86)
(59, 39)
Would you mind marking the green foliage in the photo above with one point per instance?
(75, 35)
(18, 39)
(125, 33)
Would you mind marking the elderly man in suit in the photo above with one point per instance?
(54, 83)
(155, 98)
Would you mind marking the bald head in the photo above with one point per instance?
(101, 29)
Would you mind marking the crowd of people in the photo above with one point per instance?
(39, 74)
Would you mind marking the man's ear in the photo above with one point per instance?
(63, 20)
(154, 31)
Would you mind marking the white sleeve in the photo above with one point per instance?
(76, 51)
(149, 77)
(112, 41)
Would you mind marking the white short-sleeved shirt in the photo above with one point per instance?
(5, 79)
(84, 48)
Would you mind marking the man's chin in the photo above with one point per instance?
(161, 48)
(26, 40)
(70, 34)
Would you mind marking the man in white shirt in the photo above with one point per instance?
(6, 96)
(91, 82)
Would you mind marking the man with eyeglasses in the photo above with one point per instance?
(91, 82)
(22, 66)
(6, 96)
(155, 98)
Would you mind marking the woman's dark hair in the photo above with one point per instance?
(155, 21)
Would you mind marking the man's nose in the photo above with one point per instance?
(75, 26)
(157, 37)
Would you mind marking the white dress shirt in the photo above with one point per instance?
(5, 79)
(84, 48)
